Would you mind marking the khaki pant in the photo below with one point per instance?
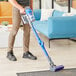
(26, 31)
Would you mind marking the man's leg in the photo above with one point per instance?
(26, 37)
(26, 40)
(16, 24)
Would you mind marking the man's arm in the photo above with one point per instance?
(15, 4)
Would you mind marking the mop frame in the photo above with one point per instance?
(30, 18)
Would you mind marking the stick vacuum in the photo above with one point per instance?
(30, 17)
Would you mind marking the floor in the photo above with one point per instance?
(62, 52)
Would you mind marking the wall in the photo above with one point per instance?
(46, 4)
(35, 4)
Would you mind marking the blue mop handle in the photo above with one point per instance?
(31, 18)
(41, 43)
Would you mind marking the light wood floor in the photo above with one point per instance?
(62, 52)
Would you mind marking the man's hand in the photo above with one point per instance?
(15, 4)
(22, 11)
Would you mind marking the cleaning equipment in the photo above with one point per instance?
(30, 17)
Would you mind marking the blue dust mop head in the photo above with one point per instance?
(56, 68)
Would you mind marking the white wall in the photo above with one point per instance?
(46, 3)
(4, 39)
(35, 4)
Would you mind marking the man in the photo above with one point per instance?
(19, 8)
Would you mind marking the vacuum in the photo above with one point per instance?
(30, 17)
